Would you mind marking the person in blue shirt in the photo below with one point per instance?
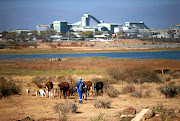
(79, 88)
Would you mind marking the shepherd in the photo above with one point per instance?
(79, 88)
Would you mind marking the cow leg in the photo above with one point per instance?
(68, 94)
(85, 95)
(97, 90)
(64, 93)
(61, 93)
(101, 90)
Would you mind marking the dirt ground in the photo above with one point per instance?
(85, 45)
(20, 106)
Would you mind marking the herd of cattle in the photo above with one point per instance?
(63, 89)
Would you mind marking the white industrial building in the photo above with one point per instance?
(84, 25)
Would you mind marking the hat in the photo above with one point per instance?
(79, 79)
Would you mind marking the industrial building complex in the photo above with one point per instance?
(84, 25)
(130, 29)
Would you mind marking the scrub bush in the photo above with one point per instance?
(111, 92)
(140, 75)
(128, 89)
(8, 87)
(170, 90)
(176, 75)
(102, 103)
(100, 117)
(115, 73)
(63, 108)
(37, 80)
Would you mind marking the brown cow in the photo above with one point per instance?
(89, 84)
(64, 87)
(49, 86)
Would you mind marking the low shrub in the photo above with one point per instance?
(165, 114)
(138, 93)
(8, 87)
(147, 94)
(165, 77)
(170, 90)
(115, 73)
(128, 89)
(176, 75)
(133, 75)
(102, 103)
(37, 80)
(140, 75)
(141, 93)
(159, 108)
(100, 117)
(112, 92)
(41, 80)
(63, 108)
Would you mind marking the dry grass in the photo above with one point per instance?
(102, 103)
(19, 106)
(111, 92)
(88, 65)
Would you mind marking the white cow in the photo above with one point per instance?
(41, 93)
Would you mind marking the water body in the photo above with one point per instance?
(128, 55)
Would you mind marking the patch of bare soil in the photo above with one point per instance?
(19, 107)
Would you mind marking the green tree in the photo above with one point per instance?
(46, 34)
(87, 34)
(11, 35)
(71, 35)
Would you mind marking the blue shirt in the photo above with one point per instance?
(77, 86)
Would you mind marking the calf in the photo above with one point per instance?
(41, 93)
(64, 88)
(98, 86)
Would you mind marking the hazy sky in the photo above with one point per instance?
(27, 14)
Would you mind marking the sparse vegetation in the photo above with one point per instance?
(176, 75)
(89, 68)
(63, 108)
(130, 88)
(170, 90)
(100, 117)
(115, 73)
(112, 92)
(102, 103)
(165, 114)
(140, 75)
(8, 87)
(38, 81)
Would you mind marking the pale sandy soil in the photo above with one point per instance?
(20, 106)
(84, 45)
